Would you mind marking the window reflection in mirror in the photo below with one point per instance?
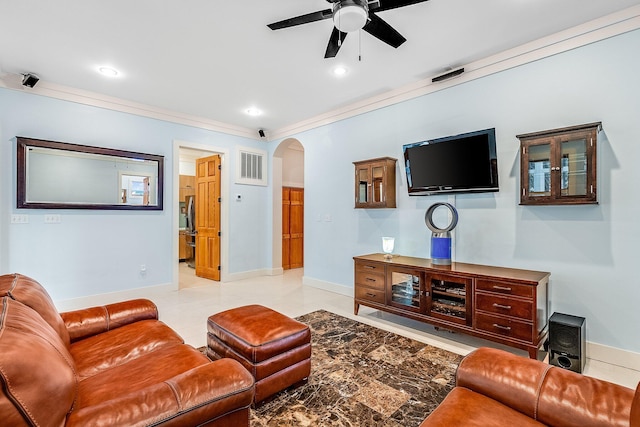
(69, 176)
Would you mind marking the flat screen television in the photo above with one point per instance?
(465, 163)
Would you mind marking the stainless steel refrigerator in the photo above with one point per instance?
(191, 230)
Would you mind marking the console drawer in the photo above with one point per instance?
(504, 305)
(504, 288)
(370, 280)
(369, 267)
(504, 326)
(370, 294)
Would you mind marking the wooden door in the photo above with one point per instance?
(145, 194)
(296, 228)
(292, 227)
(207, 202)
(286, 235)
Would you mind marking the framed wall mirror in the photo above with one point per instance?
(60, 175)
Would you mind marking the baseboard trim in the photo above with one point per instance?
(276, 271)
(327, 286)
(603, 353)
(615, 356)
(103, 298)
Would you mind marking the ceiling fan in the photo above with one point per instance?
(352, 15)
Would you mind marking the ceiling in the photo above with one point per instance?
(215, 59)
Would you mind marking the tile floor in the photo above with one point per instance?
(187, 310)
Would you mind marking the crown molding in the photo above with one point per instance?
(94, 99)
(593, 31)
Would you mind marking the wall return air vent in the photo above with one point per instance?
(251, 166)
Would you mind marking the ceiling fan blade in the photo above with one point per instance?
(380, 5)
(302, 19)
(333, 47)
(379, 29)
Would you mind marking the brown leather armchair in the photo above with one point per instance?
(497, 388)
(105, 366)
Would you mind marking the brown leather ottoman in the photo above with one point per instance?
(273, 347)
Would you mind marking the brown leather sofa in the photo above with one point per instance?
(496, 388)
(115, 365)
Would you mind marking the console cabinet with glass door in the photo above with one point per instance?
(375, 183)
(505, 305)
(442, 296)
(406, 289)
(558, 166)
(449, 298)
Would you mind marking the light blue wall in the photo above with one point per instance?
(591, 251)
(93, 252)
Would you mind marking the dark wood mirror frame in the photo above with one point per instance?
(23, 200)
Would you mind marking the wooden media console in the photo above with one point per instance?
(504, 305)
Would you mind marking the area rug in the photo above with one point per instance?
(362, 376)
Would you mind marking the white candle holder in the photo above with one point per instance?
(387, 247)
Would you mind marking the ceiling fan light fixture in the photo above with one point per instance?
(350, 15)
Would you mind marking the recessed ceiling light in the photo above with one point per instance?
(108, 71)
(253, 111)
(339, 71)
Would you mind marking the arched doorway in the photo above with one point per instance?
(288, 205)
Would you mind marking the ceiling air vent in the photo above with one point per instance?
(251, 167)
(448, 75)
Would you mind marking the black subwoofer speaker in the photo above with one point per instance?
(567, 342)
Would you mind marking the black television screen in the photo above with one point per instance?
(465, 163)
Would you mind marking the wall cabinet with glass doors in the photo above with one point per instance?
(375, 183)
(558, 166)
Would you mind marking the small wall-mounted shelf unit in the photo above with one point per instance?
(375, 183)
(505, 305)
(558, 166)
